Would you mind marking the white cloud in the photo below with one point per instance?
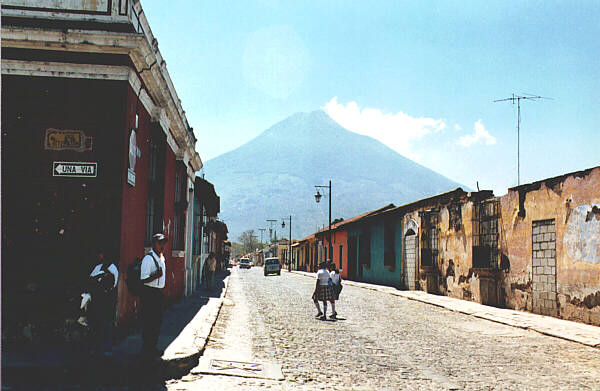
(480, 135)
(394, 130)
(457, 127)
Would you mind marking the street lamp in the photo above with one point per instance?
(289, 243)
(318, 199)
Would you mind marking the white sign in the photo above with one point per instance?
(134, 152)
(74, 169)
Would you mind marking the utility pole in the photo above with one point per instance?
(271, 221)
(517, 98)
(262, 231)
(289, 243)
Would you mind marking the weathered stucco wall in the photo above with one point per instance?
(574, 203)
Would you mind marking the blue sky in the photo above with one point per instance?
(420, 76)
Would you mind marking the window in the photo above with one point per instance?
(364, 248)
(485, 234)
(156, 186)
(341, 256)
(180, 206)
(389, 243)
(429, 238)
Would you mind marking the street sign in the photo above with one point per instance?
(74, 169)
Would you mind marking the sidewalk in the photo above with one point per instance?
(560, 328)
(184, 333)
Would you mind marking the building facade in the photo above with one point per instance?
(97, 155)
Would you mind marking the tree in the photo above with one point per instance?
(249, 241)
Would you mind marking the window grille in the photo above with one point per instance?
(429, 239)
(485, 234)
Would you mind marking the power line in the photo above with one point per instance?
(518, 99)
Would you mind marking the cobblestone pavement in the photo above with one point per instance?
(383, 342)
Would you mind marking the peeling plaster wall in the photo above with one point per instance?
(455, 276)
(574, 203)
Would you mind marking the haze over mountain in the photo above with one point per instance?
(273, 176)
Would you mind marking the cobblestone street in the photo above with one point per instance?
(381, 342)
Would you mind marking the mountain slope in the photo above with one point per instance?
(273, 176)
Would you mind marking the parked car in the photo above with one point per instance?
(272, 265)
(245, 263)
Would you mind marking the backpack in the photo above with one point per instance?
(133, 280)
(134, 283)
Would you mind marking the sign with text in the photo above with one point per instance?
(60, 140)
(74, 169)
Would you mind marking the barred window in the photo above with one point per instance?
(429, 238)
(485, 234)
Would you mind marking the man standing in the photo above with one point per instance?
(152, 274)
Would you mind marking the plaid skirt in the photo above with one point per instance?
(324, 293)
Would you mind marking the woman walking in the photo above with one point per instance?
(336, 279)
(323, 291)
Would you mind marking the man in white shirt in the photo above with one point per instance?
(152, 274)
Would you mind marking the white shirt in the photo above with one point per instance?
(112, 268)
(149, 268)
(335, 277)
(323, 277)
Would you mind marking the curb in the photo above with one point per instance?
(184, 352)
(584, 334)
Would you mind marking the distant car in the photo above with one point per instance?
(245, 263)
(272, 265)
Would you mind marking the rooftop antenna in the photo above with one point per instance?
(518, 99)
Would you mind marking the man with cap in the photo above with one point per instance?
(152, 274)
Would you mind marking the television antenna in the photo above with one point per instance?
(518, 98)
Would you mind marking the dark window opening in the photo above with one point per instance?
(156, 184)
(389, 258)
(485, 234)
(364, 248)
(180, 206)
(429, 239)
(341, 253)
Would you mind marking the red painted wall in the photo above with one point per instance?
(340, 237)
(134, 202)
(175, 282)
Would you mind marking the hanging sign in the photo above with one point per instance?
(61, 140)
(134, 153)
(74, 169)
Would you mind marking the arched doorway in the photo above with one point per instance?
(410, 255)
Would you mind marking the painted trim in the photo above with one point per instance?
(61, 10)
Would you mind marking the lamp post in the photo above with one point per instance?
(289, 243)
(318, 199)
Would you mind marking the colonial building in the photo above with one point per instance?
(97, 153)
(537, 248)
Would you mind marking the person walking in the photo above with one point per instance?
(211, 266)
(101, 310)
(152, 275)
(336, 280)
(323, 290)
